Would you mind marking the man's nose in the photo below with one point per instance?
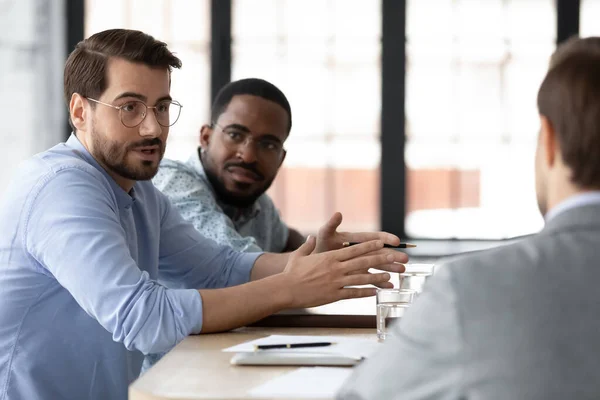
(247, 151)
(150, 126)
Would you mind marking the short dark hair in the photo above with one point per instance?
(254, 87)
(85, 69)
(569, 97)
(575, 45)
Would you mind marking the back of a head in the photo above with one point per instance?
(575, 45)
(250, 86)
(569, 98)
(85, 69)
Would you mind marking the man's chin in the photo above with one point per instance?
(237, 198)
(234, 193)
(239, 188)
(143, 169)
(240, 194)
(148, 174)
(140, 173)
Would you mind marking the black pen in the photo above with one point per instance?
(290, 345)
(387, 246)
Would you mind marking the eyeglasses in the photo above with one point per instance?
(264, 147)
(134, 112)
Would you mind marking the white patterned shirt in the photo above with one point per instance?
(257, 228)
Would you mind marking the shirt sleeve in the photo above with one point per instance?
(422, 358)
(196, 204)
(72, 229)
(279, 231)
(190, 260)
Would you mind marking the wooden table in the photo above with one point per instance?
(352, 313)
(198, 369)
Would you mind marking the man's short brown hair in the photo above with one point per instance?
(85, 69)
(574, 45)
(569, 98)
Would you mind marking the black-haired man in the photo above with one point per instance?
(221, 188)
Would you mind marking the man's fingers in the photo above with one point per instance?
(350, 252)
(366, 279)
(384, 285)
(360, 237)
(394, 267)
(387, 262)
(330, 226)
(353, 293)
(403, 256)
(307, 247)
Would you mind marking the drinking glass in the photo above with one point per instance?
(391, 305)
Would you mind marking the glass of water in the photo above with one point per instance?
(415, 276)
(391, 305)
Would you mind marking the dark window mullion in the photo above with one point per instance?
(567, 19)
(75, 15)
(220, 45)
(393, 75)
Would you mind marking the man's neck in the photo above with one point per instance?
(576, 199)
(565, 192)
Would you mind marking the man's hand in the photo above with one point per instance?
(329, 238)
(307, 280)
(316, 279)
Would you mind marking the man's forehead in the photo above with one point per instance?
(128, 77)
(254, 103)
(254, 109)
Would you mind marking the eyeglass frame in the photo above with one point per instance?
(248, 138)
(120, 108)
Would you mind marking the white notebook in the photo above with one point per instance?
(346, 351)
(288, 358)
(304, 383)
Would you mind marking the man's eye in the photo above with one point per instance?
(267, 145)
(163, 107)
(235, 135)
(129, 107)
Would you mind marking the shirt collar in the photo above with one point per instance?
(124, 199)
(235, 213)
(578, 200)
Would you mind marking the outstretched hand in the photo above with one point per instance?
(329, 238)
(320, 278)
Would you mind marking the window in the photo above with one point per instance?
(185, 27)
(590, 11)
(325, 56)
(32, 108)
(473, 71)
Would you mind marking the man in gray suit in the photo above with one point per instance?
(521, 321)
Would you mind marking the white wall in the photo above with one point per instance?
(32, 55)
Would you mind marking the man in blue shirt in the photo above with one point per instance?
(221, 188)
(86, 237)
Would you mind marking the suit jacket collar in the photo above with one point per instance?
(583, 217)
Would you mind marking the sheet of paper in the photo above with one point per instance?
(346, 346)
(305, 383)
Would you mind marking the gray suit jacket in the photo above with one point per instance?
(518, 322)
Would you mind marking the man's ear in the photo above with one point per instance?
(205, 135)
(282, 158)
(77, 111)
(548, 141)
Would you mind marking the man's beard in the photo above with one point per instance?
(114, 156)
(223, 194)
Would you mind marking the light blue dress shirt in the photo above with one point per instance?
(79, 264)
(257, 228)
